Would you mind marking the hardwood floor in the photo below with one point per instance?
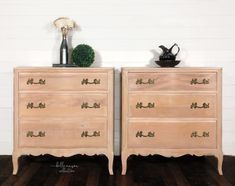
(142, 171)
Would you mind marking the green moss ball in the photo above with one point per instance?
(83, 55)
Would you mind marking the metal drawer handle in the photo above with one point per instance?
(140, 134)
(204, 105)
(204, 81)
(85, 105)
(140, 81)
(86, 134)
(40, 81)
(40, 134)
(40, 106)
(86, 81)
(204, 134)
(140, 105)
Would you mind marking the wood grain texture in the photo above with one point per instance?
(171, 81)
(63, 104)
(70, 133)
(172, 135)
(171, 119)
(57, 80)
(63, 119)
(172, 105)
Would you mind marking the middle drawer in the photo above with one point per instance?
(62, 105)
(172, 105)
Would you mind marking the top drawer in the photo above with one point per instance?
(156, 81)
(63, 81)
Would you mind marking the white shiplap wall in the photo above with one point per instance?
(123, 33)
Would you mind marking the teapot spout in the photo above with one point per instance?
(164, 49)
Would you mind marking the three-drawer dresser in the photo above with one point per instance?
(63, 112)
(171, 112)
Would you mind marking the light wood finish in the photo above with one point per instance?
(172, 81)
(63, 112)
(63, 81)
(63, 104)
(172, 135)
(69, 133)
(171, 112)
(171, 105)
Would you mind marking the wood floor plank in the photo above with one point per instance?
(93, 176)
(167, 176)
(104, 176)
(5, 168)
(146, 172)
(14, 178)
(27, 175)
(229, 168)
(195, 171)
(52, 178)
(211, 168)
(41, 175)
(177, 174)
(219, 179)
(153, 174)
(121, 180)
(64, 179)
(79, 177)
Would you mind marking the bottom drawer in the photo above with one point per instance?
(63, 133)
(172, 135)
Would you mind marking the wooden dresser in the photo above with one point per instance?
(171, 112)
(63, 112)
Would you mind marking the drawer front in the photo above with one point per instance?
(169, 105)
(63, 134)
(63, 81)
(62, 105)
(172, 81)
(172, 135)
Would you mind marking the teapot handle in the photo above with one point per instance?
(177, 47)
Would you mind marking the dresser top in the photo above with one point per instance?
(175, 69)
(63, 69)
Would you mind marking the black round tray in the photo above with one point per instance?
(167, 63)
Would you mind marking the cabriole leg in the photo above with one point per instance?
(220, 163)
(15, 163)
(110, 160)
(124, 163)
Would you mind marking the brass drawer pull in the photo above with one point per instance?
(86, 134)
(140, 81)
(86, 81)
(40, 106)
(140, 134)
(204, 134)
(40, 134)
(140, 105)
(40, 82)
(85, 105)
(204, 81)
(204, 105)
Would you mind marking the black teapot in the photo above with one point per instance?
(167, 54)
